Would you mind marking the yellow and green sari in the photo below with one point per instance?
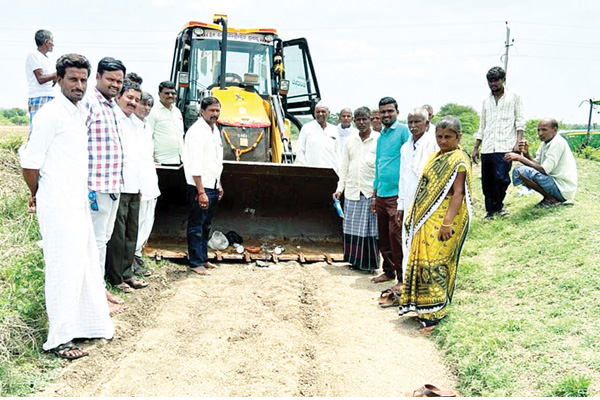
(430, 265)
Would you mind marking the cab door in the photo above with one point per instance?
(303, 91)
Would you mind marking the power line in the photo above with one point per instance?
(558, 25)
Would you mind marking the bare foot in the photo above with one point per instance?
(428, 330)
(397, 288)
(210, 265)
(201, 270)
(114, 309)
(381, 278)
(114, 299)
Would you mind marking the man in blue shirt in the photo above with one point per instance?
(385, 191)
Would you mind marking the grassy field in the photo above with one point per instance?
(524, 320)
(526, 314)
(23, 322)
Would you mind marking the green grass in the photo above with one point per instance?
(525, 318)
(23, 322)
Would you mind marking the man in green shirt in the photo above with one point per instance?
(166, 123)
(385, 190)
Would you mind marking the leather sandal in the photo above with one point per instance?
(429, 390)
(136, 283)
(124, 287)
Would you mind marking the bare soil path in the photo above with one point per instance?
(312, 330)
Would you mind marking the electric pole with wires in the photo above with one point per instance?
(507, 45)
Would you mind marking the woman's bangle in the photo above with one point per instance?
(446, 226)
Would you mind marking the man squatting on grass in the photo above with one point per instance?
(55, 167)
(553, 172)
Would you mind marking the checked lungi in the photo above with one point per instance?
(360, 235)
(34, 104)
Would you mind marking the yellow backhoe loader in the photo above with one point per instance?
(265, 86)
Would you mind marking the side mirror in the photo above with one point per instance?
(284, 87)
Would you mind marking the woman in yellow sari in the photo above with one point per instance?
(435, 228)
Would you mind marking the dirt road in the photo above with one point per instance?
(293, 330)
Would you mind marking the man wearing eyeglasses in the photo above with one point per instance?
(166, 123)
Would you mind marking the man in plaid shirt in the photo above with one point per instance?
(501, 127)
(105, 165)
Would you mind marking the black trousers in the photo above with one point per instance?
(495, 179)
(121, 246)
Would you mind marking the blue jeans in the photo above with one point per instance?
(198, 226)
(546, 182)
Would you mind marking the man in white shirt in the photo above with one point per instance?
(54, 162)
(501, 126)
(430, 114)
(357, 173)
(553, 172)
(166, 123)
(318, 141)
(376, 120)
(41, 76)
(345, 128)
(203, 164)
(414, 154)
(149, 185)
(121, 246)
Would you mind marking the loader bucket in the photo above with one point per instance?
(267, 204)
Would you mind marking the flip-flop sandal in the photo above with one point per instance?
(391, 301)
(123, 287)
(384, 295)
(429, 390)
(63, 350)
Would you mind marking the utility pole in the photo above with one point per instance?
(588, 137)
(507, 45)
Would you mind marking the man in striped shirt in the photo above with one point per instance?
(501, 128)
(105, 162)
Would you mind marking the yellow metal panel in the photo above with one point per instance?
(232, 30)
(240, 107)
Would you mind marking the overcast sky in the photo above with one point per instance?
(435, 51)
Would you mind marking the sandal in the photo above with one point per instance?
(123, 287)
(429, 390)
(136, 283)
(384, 295)
(391, 299)
(63, 350)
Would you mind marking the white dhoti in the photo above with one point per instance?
(145, 224)
(75, 298)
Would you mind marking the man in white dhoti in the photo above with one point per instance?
(149, 189)
(55, 167)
